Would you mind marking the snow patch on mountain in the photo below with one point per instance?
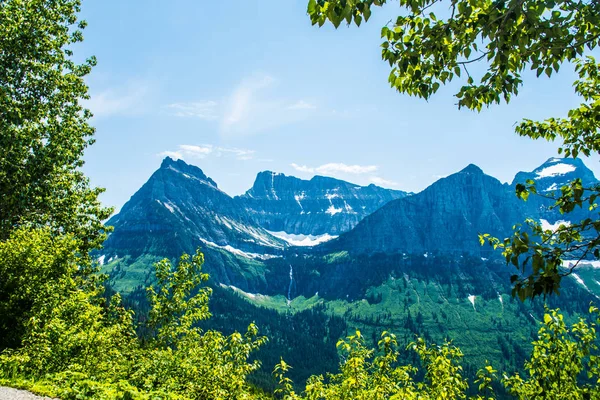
(472, 300)
(349, 208)
(256, 234)
(240, 291)
(302, 240)
(548, 226)
(332, 210)
(555, 170)
(299, 198)
(167, 206)
(582, 263)
(223, 221)
(259, 236)
(273, 185)
(238, 252)
(580, 281)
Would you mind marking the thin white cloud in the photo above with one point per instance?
(379, 181)
(336, 168)
(301, 105)
(302, 168)
(254, 105)
(196, 151)
(243, 100)
(131, 99)
(206, 110)
(361, 174)
(188, 151)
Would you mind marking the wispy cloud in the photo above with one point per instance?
(244, 100)
(254, 105)
(206, 110)
(131, 99)
(361, 174)
(379, 181)
(196, 151)
(336, 168)
(189, 151)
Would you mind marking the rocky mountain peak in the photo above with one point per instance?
(556, 172)
(472, 169)
(187, 170)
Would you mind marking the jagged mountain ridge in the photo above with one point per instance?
(449, 215)
(179, 209)
(445, 217)
(321, 205)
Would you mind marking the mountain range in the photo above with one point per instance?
(314, 259)
(180, 209)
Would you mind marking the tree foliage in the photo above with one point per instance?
(503, 39)
(560, 355)
(181, 358)
(44, 131)
(44, 127)
(81, 344)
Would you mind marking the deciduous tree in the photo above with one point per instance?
(44, 128)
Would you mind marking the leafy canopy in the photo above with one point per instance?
(81, 345)
(44, 128)
(504, 38)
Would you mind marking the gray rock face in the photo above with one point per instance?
(180, 209)
(446, 217)
(311, 207)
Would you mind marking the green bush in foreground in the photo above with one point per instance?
(77, 344)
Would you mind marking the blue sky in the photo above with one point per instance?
(239, 87)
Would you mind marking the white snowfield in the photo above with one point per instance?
(258, 235)
(556, 170)
(302, 240)
(238, 252)
(472, 300)
(240, 291)
(582, 263)
(548, 226)
(332, 210)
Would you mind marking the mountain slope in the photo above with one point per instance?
(178, 210)
(446, 217)
(318, 206)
